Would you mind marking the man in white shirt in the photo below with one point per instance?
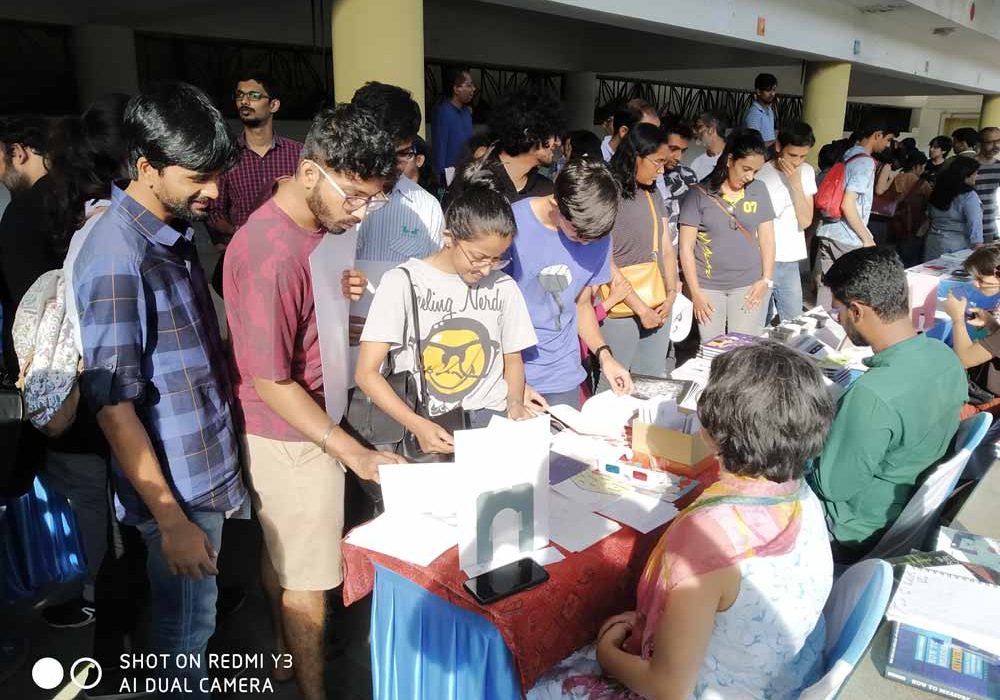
(711, 132)
(410, 225)
(791, 182)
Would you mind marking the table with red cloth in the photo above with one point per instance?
(543, 625)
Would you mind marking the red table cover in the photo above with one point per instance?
(543, 625)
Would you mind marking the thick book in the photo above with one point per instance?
(960, 607)
(726, 342)
(942, 664)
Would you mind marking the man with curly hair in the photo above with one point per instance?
(296, 456)
(528, 127)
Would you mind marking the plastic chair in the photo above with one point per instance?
(852, 614)
(920, 515)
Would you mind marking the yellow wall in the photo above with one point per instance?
(824, 102)
(990, 114)
(379, 40)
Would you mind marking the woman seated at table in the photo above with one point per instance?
(730, 602)
(954, 212)
(727, 241)
(472, 319)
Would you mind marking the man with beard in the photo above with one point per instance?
(528, 127)
(897, 419)
(264, 157)
(26, 240)
(760, 115)
(988, 180)
(296, 455)
(154, 365)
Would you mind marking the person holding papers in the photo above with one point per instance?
(472, 320)
(295, 454)
(897, 419)
(726, 610)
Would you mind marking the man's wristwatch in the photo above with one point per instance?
(770, 282)
(598, 351)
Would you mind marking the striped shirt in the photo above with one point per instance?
(987, 182)
(150, 337)
(409, 226)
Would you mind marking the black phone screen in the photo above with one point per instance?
(506, 580)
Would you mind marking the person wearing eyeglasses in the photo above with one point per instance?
(473, 324)
(264, 157)
(638, 329)
(410, 224)
(727, 241)
(295, 454)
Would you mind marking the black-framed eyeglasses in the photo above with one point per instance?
(488, 263)
(252, 95)
(406, 154)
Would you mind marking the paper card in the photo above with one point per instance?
(327, 264)
(682, 315)
(640, 511)
(373, 269)
(425, 489)
(542, 557)
(413, 538)
(593, 489)
(503, 502)
(575, 528)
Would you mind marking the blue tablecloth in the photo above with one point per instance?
(424, 647)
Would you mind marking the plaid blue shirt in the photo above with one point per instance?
(150, 336)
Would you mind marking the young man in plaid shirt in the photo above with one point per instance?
(154, 365)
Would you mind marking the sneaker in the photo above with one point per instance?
(230, 600)
(71, 614)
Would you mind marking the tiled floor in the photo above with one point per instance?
(247, 631)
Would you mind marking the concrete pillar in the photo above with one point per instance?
(824, 100)
(104, 61)
(990, 114)
(580, 92)
(381, 41)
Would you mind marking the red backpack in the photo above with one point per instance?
(830, 196)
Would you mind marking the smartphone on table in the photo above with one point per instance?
(506, 581)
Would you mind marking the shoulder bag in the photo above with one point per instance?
(646, 278)
(732, 216)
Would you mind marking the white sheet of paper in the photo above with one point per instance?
(641, 512)
(607, 408)
(542, 557)
(575, 528)
(682, 315)
(425, 489)
(504, 456)
(592, 489)
(373, 269)
(418, 539)
(327, 264)
(583, 424)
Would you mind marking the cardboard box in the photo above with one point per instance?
(670, 450)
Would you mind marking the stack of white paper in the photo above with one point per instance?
(418, 539)
(575, 528)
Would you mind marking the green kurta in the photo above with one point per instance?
(895, 421)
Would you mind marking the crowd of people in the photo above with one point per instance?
(550, 270)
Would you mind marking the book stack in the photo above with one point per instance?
(724, 343)
(945, 618)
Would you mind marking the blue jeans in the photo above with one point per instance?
(639, 350)
(183, 608)
(787, 294)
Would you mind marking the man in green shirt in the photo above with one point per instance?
(897, 419)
